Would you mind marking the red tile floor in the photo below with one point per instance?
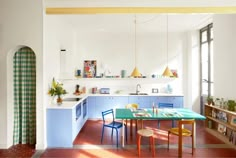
(87, 144)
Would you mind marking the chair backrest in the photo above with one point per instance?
(186, 122)
(165, 105)
(107, 114)
(131, 106)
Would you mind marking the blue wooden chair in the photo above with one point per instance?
(165, 105)
(107, 122)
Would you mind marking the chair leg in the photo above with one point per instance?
(112, 132)
(126, 132)
(158, 124)
(138, 143)
(173, 123)
(168, 140)
(102, 134)
(131, 128)
(153, 146)
(116, 137)
(192, 144)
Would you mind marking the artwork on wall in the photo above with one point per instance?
(90, 68)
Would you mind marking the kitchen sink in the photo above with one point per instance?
(138, 94)
(71, 99)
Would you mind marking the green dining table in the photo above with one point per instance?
(161, 114)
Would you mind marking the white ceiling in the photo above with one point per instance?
(125, 22)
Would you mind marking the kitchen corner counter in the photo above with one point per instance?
(68, 104)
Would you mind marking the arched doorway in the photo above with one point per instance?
(24, 76)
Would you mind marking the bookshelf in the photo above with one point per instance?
(221, 123)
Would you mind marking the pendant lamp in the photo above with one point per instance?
(135, 72)
(167, 72)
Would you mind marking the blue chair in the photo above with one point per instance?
(107, 115)
(165, 105)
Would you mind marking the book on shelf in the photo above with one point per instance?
(222, 116)
(233, 120)
(232, 137)
(222, 129)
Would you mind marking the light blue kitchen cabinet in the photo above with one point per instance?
(63, 125)
(177, 101)
(103, 103)
(60, 127)
(91, 101)
(142, 101)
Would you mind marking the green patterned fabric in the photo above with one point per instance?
(24, 97)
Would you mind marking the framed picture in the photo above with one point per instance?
(90, 68)
(233, 120)
(221, 128)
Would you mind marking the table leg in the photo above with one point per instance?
(123, 133)
(194, 134)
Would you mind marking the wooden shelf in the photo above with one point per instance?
(221, 137)
(222, 122)
(220, 109)
(216, 121)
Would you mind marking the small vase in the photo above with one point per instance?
(59, 100)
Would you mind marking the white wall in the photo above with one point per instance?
(20, 24)
(224, 56)
(115, 49)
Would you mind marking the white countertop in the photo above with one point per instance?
(72, 104)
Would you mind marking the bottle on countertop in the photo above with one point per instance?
(156, 109)
(153, 107)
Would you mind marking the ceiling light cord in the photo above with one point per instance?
(167, 38)
(135, 42)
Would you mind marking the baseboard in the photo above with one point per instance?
(3, 146)
(40, 147)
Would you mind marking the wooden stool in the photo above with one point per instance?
(146, 133)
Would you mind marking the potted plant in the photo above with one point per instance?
(210, 100)
(57, 90)
(231, 105)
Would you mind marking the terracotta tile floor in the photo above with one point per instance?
(87, 144)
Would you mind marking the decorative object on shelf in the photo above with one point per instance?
(77, 91)
(233, 120)
(175, 74)
(217, 102)
(221, 129)
(167, 72)
(231, 105)
(78, 73)
(90, 68)
(123, 73)
(135, 72)
(210, 100)
(57, 90)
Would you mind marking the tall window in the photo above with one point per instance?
(206, 55)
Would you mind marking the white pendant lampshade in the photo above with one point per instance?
(167, 72)
(135, 72)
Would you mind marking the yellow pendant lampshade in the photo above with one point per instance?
(135, 72)
(167, 72)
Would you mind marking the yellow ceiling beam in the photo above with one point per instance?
(127, 10)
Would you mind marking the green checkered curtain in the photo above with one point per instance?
(24, 97)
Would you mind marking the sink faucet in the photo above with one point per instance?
(138, 85)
